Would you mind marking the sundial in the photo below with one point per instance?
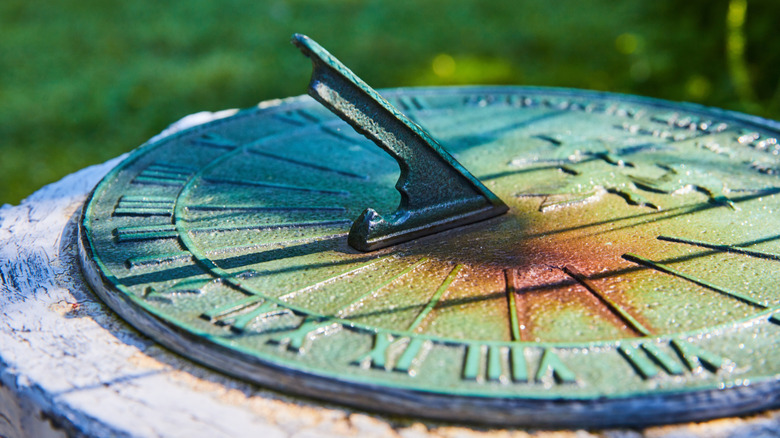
(501, 255)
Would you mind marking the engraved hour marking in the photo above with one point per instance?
(331, 278)
(613, 306)
(215, 141)
(269, 308)
(168, 231)
(344, 311)
(276, 186)
(165, 174)
(648, 359)
(775, 318)
(668, 270)
(724, 248)
(299, 117)
(513, 303)
(307, 164)
(145, 206)
(435, 298)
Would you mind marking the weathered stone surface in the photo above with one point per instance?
(70, 367)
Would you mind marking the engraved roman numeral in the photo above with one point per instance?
(648, 359)
(298, 117)
(168, 231)
(409, 351)
(215, 141)
(495, 363)
(483, 100)
(299, 340)
(165, 174)
(145, 206)
(775, 318)
(149, 232)
(551, 365)
(409, 103)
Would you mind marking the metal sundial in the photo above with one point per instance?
(511, 255)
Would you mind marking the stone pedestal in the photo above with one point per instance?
(70, 367)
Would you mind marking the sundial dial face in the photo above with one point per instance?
(632, 280)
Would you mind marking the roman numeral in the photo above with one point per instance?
(409, 103)
(145, 206)
(494, 363)
(299, 340)
(648, 359)
(165, 174)
(408, 351)
(298, 117)
(215, 141)
(551, 365)
(482, 100)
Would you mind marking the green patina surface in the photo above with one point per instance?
(639, 254)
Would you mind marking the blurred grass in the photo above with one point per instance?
(83, 81)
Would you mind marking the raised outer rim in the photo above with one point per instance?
(645, 410)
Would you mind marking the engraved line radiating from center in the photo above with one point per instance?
(580, 278)
(307, 164)
(513, 303)
(360, 267)
(276, 186)
(725, 248)
(342, 312)
(667, 270)
(435, 298)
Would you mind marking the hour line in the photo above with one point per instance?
(307, 164)
(510, 278)
(613, 306)
(360, 267)
(724, 248)
(342, 312)
(666, 269)
(435, 298)
(276, 186)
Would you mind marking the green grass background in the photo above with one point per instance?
(83, 81)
